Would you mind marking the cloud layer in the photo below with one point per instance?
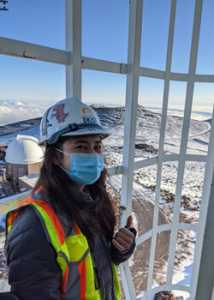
(15, 111)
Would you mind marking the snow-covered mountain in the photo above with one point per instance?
(146, 146)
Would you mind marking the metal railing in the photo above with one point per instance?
(74, 63)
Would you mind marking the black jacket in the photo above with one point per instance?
(33, 270)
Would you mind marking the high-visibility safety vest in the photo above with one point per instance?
(72, 251)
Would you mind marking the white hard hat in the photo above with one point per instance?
(69, 117)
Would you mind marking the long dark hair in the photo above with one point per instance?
(98, 219)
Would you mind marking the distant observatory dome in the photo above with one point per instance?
(24, 150)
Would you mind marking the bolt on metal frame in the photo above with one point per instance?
(74, 62)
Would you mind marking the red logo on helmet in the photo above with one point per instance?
(60, 115)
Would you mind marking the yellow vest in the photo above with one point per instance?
(72, 251)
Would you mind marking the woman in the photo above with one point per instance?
(60, 242)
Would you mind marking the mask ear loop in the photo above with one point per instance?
(62, 168)
(62, 151)
(65, 153)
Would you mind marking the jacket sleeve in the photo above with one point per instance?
(33, 269)
(119, 257)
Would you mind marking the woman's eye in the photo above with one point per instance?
(98, 148)
(81, 147)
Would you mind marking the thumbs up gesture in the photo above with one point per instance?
(124, 237)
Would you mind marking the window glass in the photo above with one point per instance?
(182, 36)
(205, 62)
(39, 22)
(105, 29)
(155, 27)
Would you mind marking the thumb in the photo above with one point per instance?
(129, 222)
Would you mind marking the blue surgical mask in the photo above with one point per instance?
(85, 169)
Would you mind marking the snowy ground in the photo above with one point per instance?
(148, 130)
(147, 140)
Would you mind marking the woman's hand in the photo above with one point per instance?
(124, 237)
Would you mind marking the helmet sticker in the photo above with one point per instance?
(60, 115)
(89, 120)
(45, 122)
(87, 110)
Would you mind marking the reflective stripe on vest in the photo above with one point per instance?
(79, 254)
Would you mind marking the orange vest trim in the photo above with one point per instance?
(52, 215)
(82, 271)
(12, 218)
(76, 229)
(64, 280)
(85, 267)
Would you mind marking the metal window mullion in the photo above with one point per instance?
(21, 49)
(132, 86)
(73, 38)
(152, 73)
(121, 68)
(166, 227)
(206, 274)
(126, 277)
(204, 257)
(203, 209)
(167, 157)
(103, 65)
(213, 294)
(204, 78)
(161, 142)
(184, 139)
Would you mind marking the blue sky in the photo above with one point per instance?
(105, 36)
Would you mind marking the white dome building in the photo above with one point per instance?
(23, 156)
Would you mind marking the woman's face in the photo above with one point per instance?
(80, 144)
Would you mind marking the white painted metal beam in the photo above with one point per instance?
(132, 86)
(117, 170)
(184, 139)
(121, 68)
(134, 44)
(178, 76)
(161, 143)
(165, 227)
(152, 73)
(32, 51)
(158, 74)
(204, 208)
(73, 38)
(204, 78)
(103, 65)
(11, 202)
(206, 273)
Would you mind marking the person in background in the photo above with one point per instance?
(60, 241)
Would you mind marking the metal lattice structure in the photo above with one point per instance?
(72, 59)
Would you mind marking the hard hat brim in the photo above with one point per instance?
(70, 131)
(103, 134)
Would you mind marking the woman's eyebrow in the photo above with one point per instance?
(80, 142)
(97, 142)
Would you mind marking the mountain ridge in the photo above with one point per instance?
(27, 124)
